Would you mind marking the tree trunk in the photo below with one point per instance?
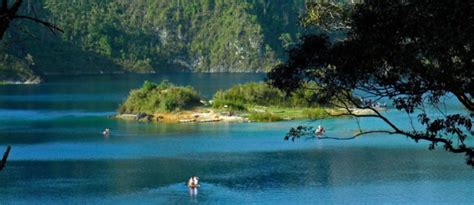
(3, 26)
(7, 15)
(5, 156)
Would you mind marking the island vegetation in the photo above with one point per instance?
(259, 102)
(163, 97)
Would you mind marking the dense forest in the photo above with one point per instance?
(117, 36)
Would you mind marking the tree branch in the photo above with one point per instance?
(356, 135)
(415, 136)
(5, 156)
(51, 26)
(4, 5)
(465, 101)
(15, 7)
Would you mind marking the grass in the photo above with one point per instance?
(264, 117)
(315, 113)
(272, 114)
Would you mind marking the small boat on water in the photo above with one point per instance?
(193, 182)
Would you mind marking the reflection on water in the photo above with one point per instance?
(59, 155)
(193, 192)
(331, 175)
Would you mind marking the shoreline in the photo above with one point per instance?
(27, 82)
(52, 76)
(187, 116)
(210, 115)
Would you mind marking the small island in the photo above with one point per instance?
(250, 102)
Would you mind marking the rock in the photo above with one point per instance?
(187, 120)
(33, 80)
(126, 116)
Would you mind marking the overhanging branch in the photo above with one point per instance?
(354, 136)
(51, 26)
(468, 103)
(348, 103)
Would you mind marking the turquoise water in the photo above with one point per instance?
(59, 155)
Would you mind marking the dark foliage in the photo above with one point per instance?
(411, 52)
(10, 13)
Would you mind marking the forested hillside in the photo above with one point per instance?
(115, 36)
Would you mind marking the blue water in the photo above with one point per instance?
(59, 155)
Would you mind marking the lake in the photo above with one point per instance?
(59, 155)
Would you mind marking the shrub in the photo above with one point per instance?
(264, 117)
(265, 95)
(231, 105)
(149, 85)
(252, 94)
(163, 97)
(315, 113)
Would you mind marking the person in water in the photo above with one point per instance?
(106, 132)
(320, 131)
(193, 182)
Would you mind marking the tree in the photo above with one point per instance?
(411, 52)
(9, 13)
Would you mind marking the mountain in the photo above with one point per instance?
(142, 36)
